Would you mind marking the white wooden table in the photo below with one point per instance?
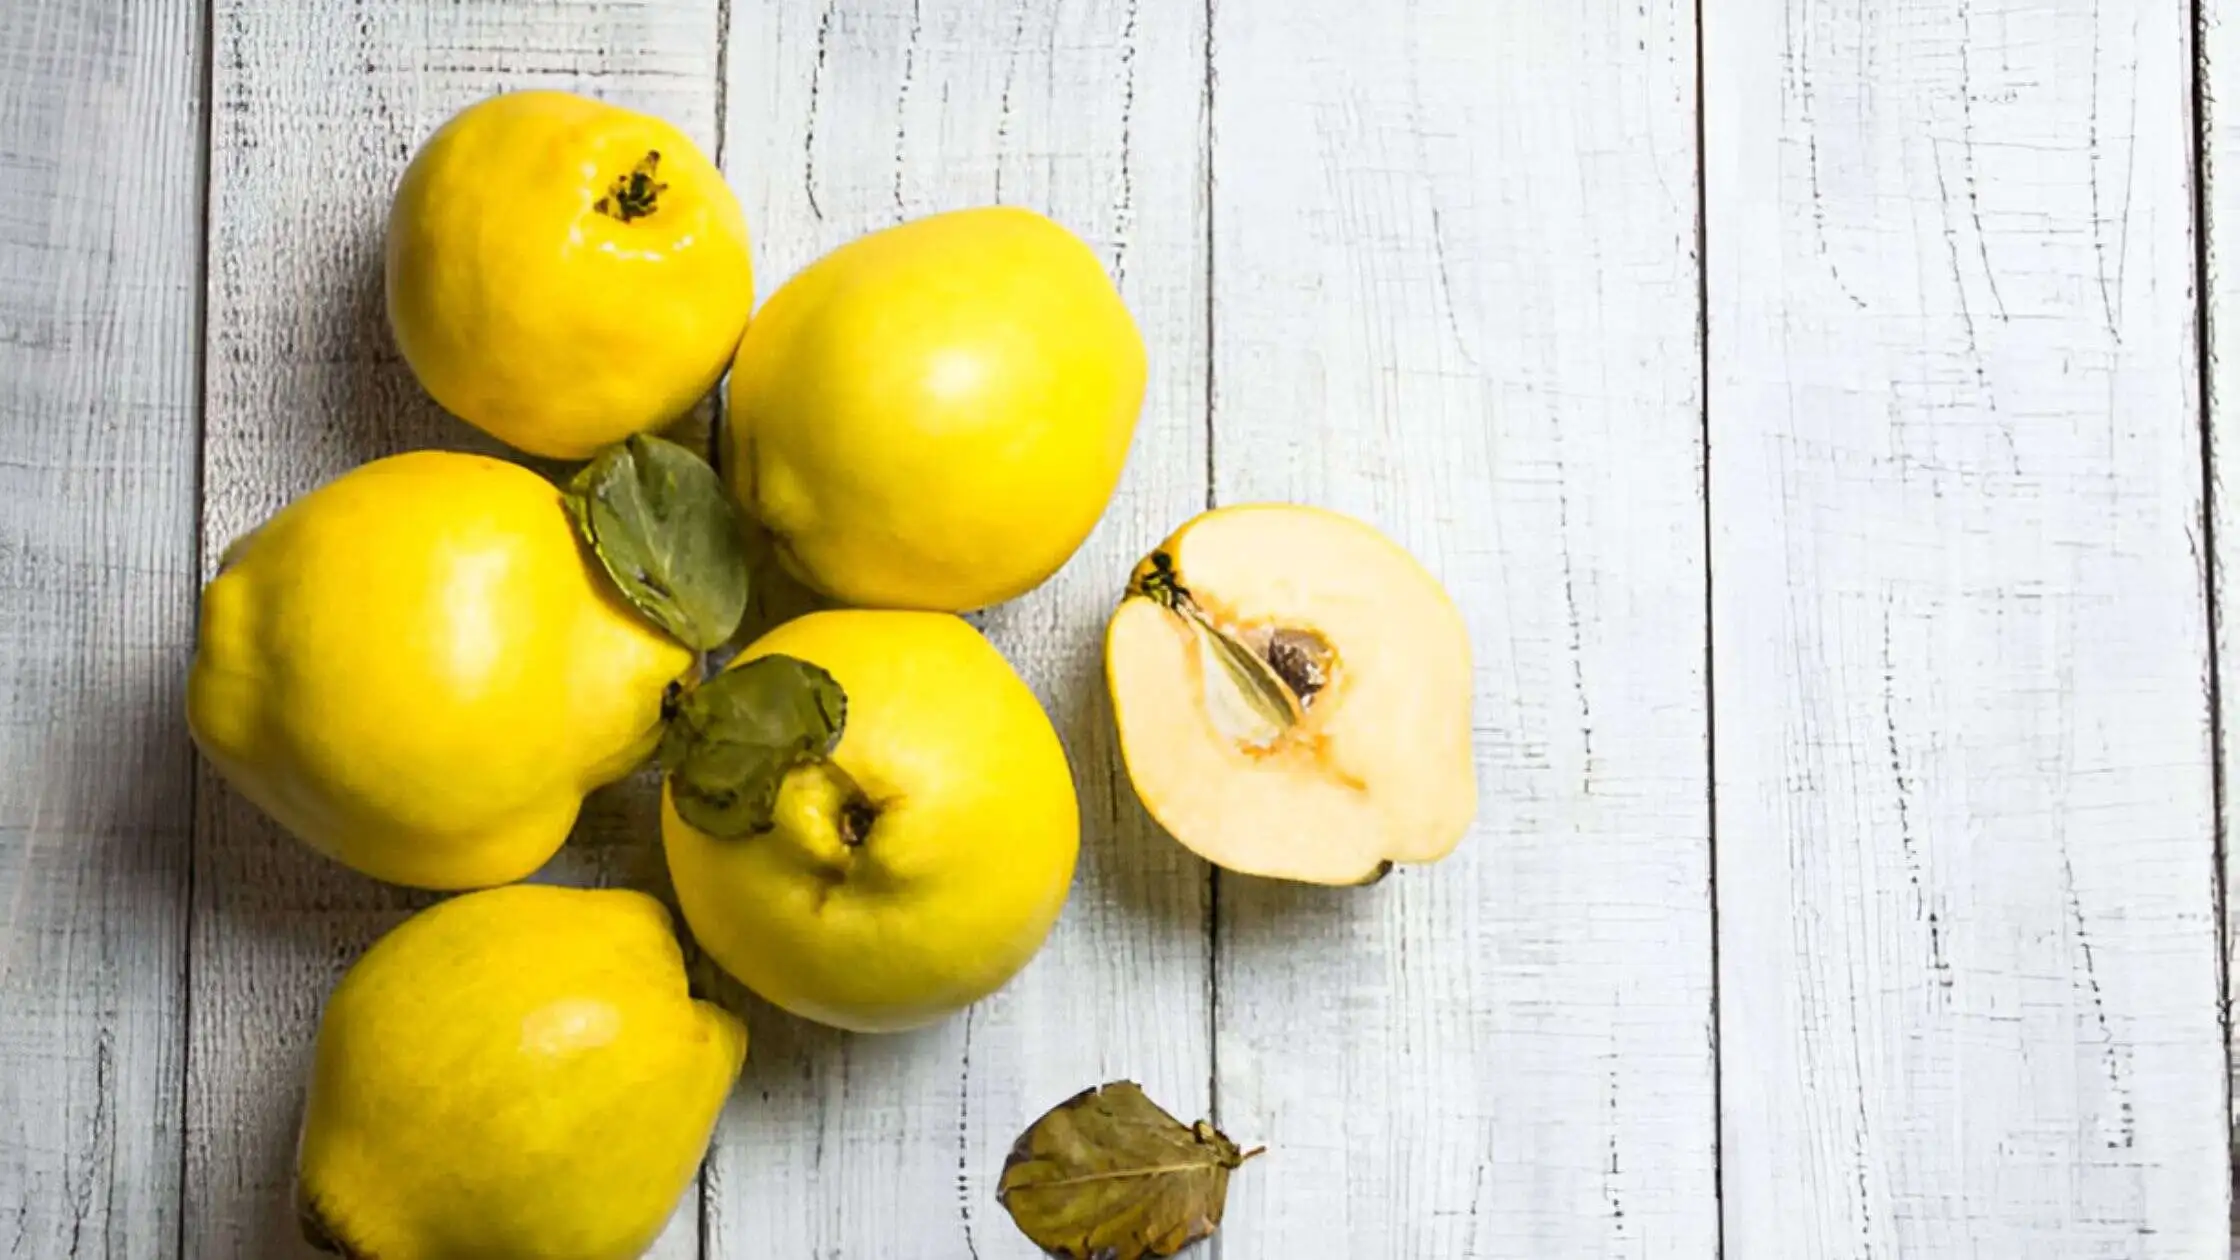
(1814, 406)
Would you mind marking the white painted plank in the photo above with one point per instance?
(847, 116)
(318, 108)
(101, 124)
(1968, 981)
(2219, 123)
(1456, 293)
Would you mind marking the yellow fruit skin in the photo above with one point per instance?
(964, 870)
(416, 669)
(516, 1074)
(530, 313)
(934, 416)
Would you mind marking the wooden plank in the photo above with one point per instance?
(1456, 293)
(2218, 71)
(1968, 983)
(318, 109)
(843, 117)
(101, 131)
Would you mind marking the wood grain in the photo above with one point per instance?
(318, 108)
(1455, 293)
(2218, 120)
(850, 115)
(101, 131)
(1968, 983)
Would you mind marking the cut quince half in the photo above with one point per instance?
(1293, 695)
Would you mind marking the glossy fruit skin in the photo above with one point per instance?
(417, 669)
(963, 872)
(527, 310)
(934, 416)
(512, 1074)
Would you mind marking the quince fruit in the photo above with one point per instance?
(514, 1072)
(420, 668)
(934, 416)
(868, 818)
(563, 272)
(1293, 695)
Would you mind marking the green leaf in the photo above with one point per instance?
(669, 535)
(733, 738)
(1108, 1175)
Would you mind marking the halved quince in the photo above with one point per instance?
(1293, 694)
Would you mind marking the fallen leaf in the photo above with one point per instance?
(1108, 1175)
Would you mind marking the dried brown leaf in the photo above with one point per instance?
(1109, 1175)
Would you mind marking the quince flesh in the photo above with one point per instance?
(1293, 695)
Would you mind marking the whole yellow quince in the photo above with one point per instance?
(563, 272)
(418, 670)
(934, 416)
(512, 1074)
(873, 824)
